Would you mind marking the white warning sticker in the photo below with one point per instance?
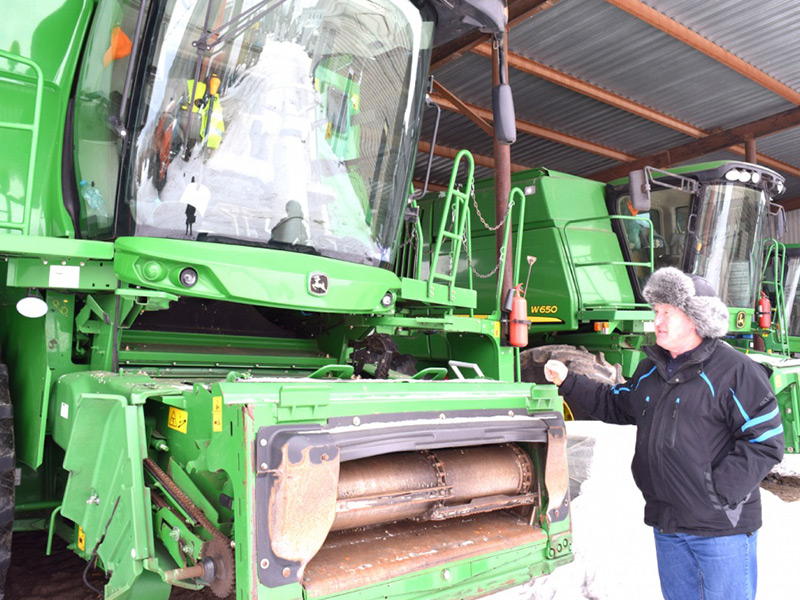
(65, 276)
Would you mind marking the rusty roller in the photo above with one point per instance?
(432, 484)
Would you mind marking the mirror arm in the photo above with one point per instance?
(118, 121)
(431, 104)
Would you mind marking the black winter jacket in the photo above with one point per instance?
(707, 435)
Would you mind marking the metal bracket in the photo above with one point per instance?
(556, 475)
(455, 364)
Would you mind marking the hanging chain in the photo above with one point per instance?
(502, 257)
(480, 216)
(412, 238)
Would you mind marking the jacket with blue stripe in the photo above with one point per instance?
(707, 434)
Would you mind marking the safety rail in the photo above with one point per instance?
(516, 199)
(33, 128)
(455, 212)
(776, 253)
(623, 263)
(408, 258)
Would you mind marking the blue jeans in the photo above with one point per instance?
(692, 567)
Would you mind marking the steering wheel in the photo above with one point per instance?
(659, 242)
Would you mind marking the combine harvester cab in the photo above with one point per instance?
(233, 359)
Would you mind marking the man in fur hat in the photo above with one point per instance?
(708, 432)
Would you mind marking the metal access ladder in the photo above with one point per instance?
(37, 79)
(455, 217)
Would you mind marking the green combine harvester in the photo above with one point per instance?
(231, 357)
(595, 244)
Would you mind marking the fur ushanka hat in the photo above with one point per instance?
(694, 295)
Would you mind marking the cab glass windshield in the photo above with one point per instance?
(278, 123)
(791, 283)
(660, 231)
(720, 236)
(728, 240)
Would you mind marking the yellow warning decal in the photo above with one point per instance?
(178, 419)
(81, 539)
(545, 320)
(216, 413)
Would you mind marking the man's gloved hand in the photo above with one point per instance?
(555, 371)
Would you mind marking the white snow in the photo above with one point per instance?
(614, 549)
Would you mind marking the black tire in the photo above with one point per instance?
(577, 359)
(7, 477)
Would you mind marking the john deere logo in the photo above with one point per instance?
(740, 319)
(318, 284)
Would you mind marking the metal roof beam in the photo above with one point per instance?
(790, 203)
(463, 108)
(716, 141)
(484, 161)
(661, 21)
(537, 69)
(543, 132)
(518, 10)
(432, 187)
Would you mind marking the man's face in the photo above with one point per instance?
(675, 332)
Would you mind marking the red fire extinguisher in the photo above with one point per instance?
(518, 329)
(764, 312)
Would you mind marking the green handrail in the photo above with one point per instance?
(455, 210)
(33, 128)
(777, 251)
(512, 204)
(625, 263)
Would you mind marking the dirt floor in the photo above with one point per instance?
(34, 576)
(787, 487)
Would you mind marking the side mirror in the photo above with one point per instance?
(778, 222)
(505, 120)
(490, 16)
(640, 190)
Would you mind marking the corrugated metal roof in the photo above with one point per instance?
(605, 46)
(792, 235)
(764, 33)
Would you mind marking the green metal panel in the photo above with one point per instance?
(421, 291)
(24, 343)
(48, 35)
(253, 275)
(55, 248)
(150, 348)
(577, 253)
(17, 211)
(65, 273)
(105, 493)
(785, 381)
